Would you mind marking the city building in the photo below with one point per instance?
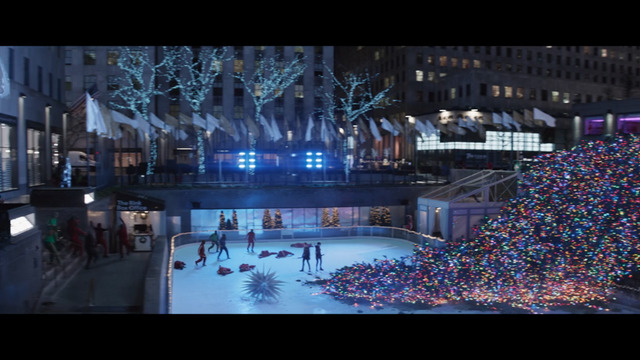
(480, 81)
(94, 69)
(32, 118)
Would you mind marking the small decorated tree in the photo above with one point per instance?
(374, 216)
(278, 220)
(325, 218)
(266, 219)
(223, 223)
(235, 220)
(335, 218)
(386, 216)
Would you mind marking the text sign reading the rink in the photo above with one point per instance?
(131, 205)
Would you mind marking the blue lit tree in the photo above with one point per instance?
(138, 85)
(355, 97)
(268, 81)
(194, 73)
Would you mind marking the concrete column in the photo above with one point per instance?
(610, 124)
(577, 129)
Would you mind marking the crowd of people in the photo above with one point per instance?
(82, 242)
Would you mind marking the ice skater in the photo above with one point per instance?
(318, 257)
(202, 254)
(214, 241)
(306, 255)
(251, 237)
(223, 246)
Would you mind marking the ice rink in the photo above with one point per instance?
(200, 290)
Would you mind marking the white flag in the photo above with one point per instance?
(213, 123)
(113, 129)
(399, 128)
(508, 121)
(307, 136)
(496, 119)
(95, 121)
(541, 115)
(267, 128)
(374, 130)
(198, 121)
(389, 127)
(471, 124)
(277, 135)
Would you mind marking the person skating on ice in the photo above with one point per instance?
(202, 254)
(251, 237)
(306, 255)
(318, 257)
(223, 246)
(214, 241)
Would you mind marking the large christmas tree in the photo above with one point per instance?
(570, 235)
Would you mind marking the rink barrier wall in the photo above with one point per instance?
(272, 235)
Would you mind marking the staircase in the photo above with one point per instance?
(55, 277)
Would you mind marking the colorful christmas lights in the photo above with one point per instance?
(564, 241)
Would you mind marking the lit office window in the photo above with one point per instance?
(495, 90)
(419, 75)
(508, 92)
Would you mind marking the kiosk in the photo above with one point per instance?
(141, 214)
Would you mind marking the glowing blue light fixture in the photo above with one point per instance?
(313, 160)
(247, 160)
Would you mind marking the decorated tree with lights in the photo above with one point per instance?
(355, 98)
(278, 220)
(137, 85)
(385, 216)
(335, 218)
(194, 73)
(374, 216)
(266, 82)
(234, 218)
(223, 222)
(325, 221)
(571, 234)
(267, 221)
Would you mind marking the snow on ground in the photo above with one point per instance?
(201, 290)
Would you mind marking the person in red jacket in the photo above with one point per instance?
(124, 239)
(73, 227)
(202, 254)
(251, 237)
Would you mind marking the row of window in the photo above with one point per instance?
(36, 171)
(44, 83)
(506, 92)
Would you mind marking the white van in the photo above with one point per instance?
(79, 159)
